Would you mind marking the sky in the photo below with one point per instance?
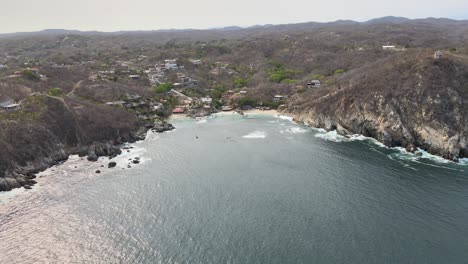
(116, 15)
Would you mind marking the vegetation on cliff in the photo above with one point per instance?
(70, 87)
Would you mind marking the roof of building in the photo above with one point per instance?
(178, 110)
(6, 102)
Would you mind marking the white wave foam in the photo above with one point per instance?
(256, 134)
(294, 130)
(332, 136)
(201, 120)
(284, 117)
(418, 155)
(123, 159)
(321, 130)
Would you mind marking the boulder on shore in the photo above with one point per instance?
(162, 127)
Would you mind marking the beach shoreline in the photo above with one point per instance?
(232, 112)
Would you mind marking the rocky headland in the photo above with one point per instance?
(48, 129)
(413, 102)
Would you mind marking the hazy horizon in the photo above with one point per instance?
(120, 15)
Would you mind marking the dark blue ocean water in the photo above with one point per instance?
(249, 190)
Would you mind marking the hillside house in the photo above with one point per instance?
(279, 98)
(196, 62)
(227, 108)
(206, 100)
(438, 54)
(313, 84)
(9, 106)
(171, 64)
(153, 79)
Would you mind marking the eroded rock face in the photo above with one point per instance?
(65, 127)
(415, 103)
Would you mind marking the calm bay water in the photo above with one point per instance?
(248, 190)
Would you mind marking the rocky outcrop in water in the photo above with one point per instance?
(416, 101)
(162, 127)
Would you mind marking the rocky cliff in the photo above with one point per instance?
(410, 100)
(48, 129)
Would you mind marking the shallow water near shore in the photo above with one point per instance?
(243, 189)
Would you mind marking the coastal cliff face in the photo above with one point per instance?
(414, 101)
(49, 129)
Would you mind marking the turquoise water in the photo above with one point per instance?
(252, 189)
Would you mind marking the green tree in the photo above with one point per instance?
(55, 92)
(28, 74)
(163, 88)
(240, 82)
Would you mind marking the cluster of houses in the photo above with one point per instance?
(220, 67)
(157, 74)
(185, 102)
(146, 108)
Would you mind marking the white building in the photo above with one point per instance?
(313, 84)
(278, 98)
(206, 100)
(171, 64)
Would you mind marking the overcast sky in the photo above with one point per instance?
(115, 15)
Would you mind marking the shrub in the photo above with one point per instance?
(163, 88)
(217, 92)
(339, 71)
(247, 101)
(240, 82)
(317, 76)
(28, 74)
(55, 92)
(288, 81)
(278, 73)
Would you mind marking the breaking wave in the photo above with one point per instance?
(256, 134)
(331, 136)
(284, 117)
(294, 130)
(401, 153)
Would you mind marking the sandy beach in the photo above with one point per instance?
(246, 112)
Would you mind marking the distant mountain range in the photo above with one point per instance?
(382, 20)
